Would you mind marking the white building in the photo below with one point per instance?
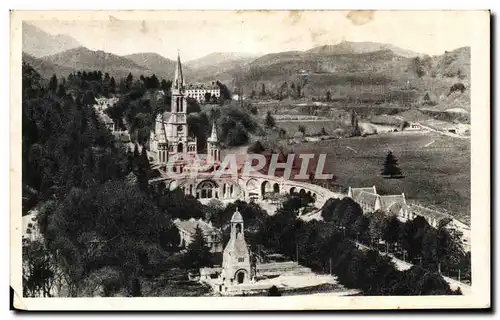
(198, 91)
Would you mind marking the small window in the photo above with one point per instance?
(241, 259)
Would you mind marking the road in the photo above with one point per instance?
(434, 130)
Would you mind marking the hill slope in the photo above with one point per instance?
(347, 47)
(82, 58)
(39, 43)
(44, 68)
(216, 65)
(352, 75)
(161, 66)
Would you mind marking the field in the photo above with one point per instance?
(312, 126)
(436, 167)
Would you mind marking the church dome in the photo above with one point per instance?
(237, 216)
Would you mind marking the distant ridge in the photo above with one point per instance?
(161, 66)
(39, 43)
(81, 58)
(45, 68)
(347, 47)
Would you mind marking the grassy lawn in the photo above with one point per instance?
(437, 174)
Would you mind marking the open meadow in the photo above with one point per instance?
(436, 167)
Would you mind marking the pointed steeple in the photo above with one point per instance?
(179, 78)
(213, 136)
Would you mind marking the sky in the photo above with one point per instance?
(198, 33)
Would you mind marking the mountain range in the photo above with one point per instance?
(347, 68)
(38, 43)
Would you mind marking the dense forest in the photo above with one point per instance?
(101, 227)
(322, 245)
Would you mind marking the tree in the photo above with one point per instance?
(61, 91)
(213, 210)
(53, 83)
(154, 83)
(165, 85)
(457, 87)
(208, 96)
(112, 85)
(263, 90)
(198, 254)
(269, 121)
(357, 130)
(273, 292)
(302, 129)
(256, 147)
(376, 226)
(38, 269)
(129, 81)
(299, 93)
(328, 96)
(252, 94)
(391, 166)
(225, 94)
(361, 226)
(392, 231)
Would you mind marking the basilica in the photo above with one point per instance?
(169, 141)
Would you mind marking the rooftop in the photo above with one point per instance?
(190, 225)
(429, 213)
(366, 197)
(357, 191)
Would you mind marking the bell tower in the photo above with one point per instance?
(236, 257)
(213, 145)
(177, 132)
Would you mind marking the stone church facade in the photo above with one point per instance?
(169, 141)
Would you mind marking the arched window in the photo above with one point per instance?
(180, 147)
(206, 189)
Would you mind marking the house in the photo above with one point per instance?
(187, 229)
(370, 201)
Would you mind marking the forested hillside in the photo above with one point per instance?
(99, 230)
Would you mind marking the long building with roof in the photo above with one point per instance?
(370, 201)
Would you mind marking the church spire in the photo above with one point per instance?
(213, 136)
(179, 78)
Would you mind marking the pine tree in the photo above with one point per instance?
(391, 166)
(198, 254)
(269, 122)
(328, 96)
(153, 82)
(61, 91)
(129, 81)
(263, 90)
(112, 85)
(53, 83)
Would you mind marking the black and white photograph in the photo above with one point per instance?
(250, 160)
